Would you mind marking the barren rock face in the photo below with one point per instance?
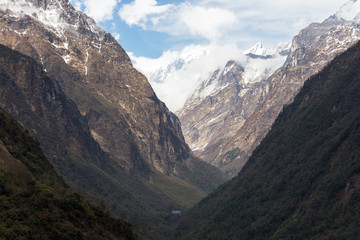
(226, 127)
(206, 121)
(124, 114)
(40, 105)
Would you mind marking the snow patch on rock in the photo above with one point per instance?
(50, 17)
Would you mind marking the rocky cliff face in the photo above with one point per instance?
(41, 107)
(99, 77)
(311, 50)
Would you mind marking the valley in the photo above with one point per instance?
(248, 144)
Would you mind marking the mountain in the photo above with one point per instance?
(222, 103)
(259, 50)
(100, 79)
(219, 87)
(35, 201)
(97, 119)
(177, 74)
(302, 181)
(42, 108)
(228, 145)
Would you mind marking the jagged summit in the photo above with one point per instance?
(63, 20)
(59, 15)
(258, 49)
(250, 66)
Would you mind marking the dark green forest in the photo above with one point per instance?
(35, 203)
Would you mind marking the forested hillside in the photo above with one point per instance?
(35, 203)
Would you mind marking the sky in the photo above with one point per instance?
(148, 28)
(204, 34)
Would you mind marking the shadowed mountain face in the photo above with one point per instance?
(97, 119)
(35, 201)
(42, 108)
(302, 181)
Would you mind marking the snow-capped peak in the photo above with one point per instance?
(58, 15)
(259, 50)
(51, 16)
(350, 11)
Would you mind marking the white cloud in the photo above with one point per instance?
(176, 74)
(175, 86)
(184, 19)
(350, 11)
(100, 10)
(224, 21)
(207, 22)
(139, 12)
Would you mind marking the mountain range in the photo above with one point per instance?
(302, 181)
(232, 109)
(221, 105)
(76, 116)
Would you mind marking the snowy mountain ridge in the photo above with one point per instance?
(259, 50)
(176, 75)
(57, 15)
(226, 126)
(253, 70)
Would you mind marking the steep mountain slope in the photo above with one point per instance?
(311, 50)
(302, 181)
(133, 126)
(221, 104)
(124, 114)
(35, 201)
(139, 159)
(43, 109)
